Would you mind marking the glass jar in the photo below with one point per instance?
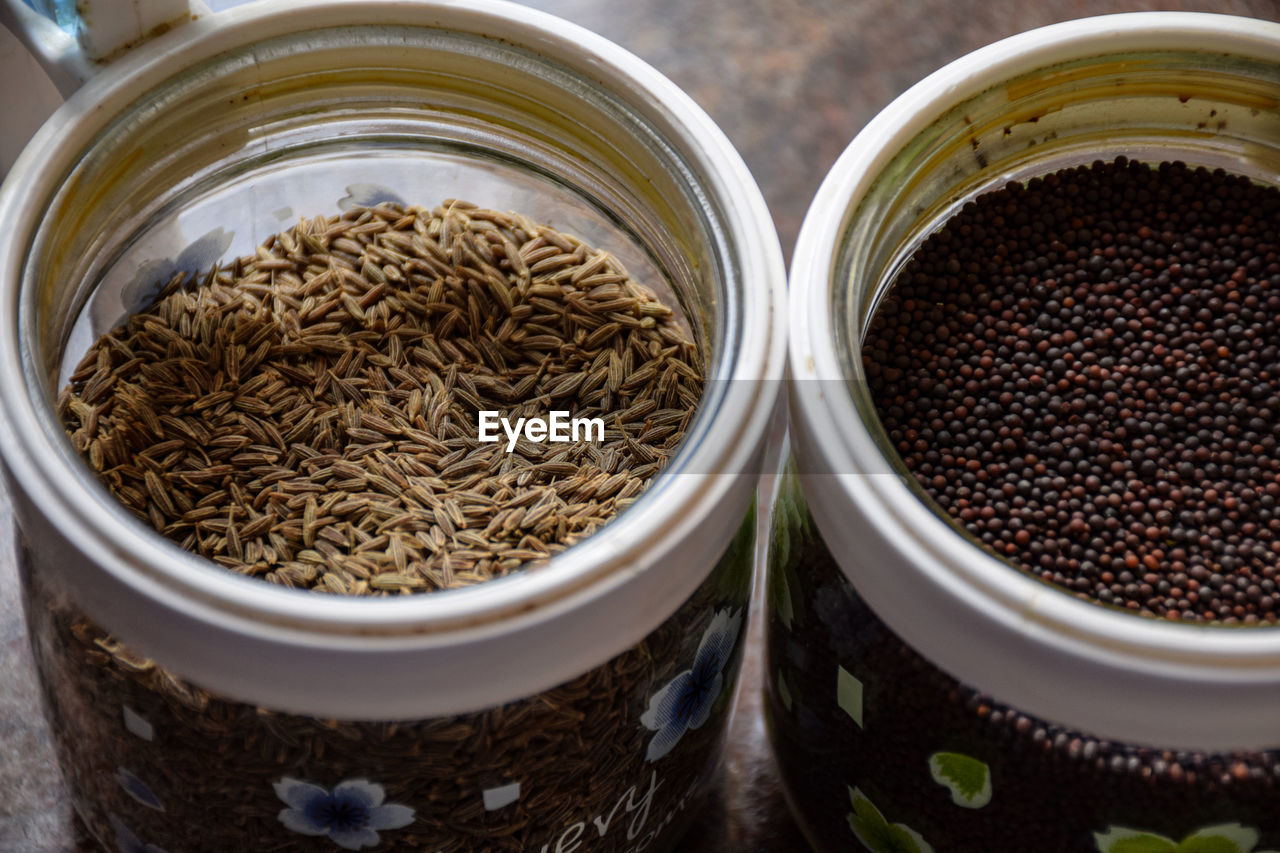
(923, 694)
(194, 709)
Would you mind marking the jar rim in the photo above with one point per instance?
(636, 544)
(1033, 646)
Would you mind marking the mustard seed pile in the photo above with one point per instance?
(1085, 372)
(309, 414)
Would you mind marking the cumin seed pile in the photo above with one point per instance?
(308, 415)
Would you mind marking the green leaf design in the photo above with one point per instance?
(849, 694)
(1119, 839)
(1210, 845)
(865, 819)
(968, 779)
(784, 691)
(1223, 838)
(791, 529)
(1144, 843)
(876, 834)
(903, 839)
(786, 607)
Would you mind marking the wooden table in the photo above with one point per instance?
(791, 82)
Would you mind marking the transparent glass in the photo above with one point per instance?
(306, 124)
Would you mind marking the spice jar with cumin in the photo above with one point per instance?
(355, 515)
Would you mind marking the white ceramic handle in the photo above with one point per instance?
(106, 29)
(57, 52)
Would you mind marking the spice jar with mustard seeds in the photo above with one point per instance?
(1022, 570)
(385, 453)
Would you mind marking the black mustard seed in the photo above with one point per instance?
(1084, 372)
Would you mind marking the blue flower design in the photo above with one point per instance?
(136, 788)
(685, 703)
(126, 841)
(351, 815)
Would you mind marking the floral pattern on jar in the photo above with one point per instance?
(350, 815)
(685, 702)
(851, 708)
(155, 763)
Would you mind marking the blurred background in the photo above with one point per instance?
(791, 82)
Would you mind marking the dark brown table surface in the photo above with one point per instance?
(790, 82)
